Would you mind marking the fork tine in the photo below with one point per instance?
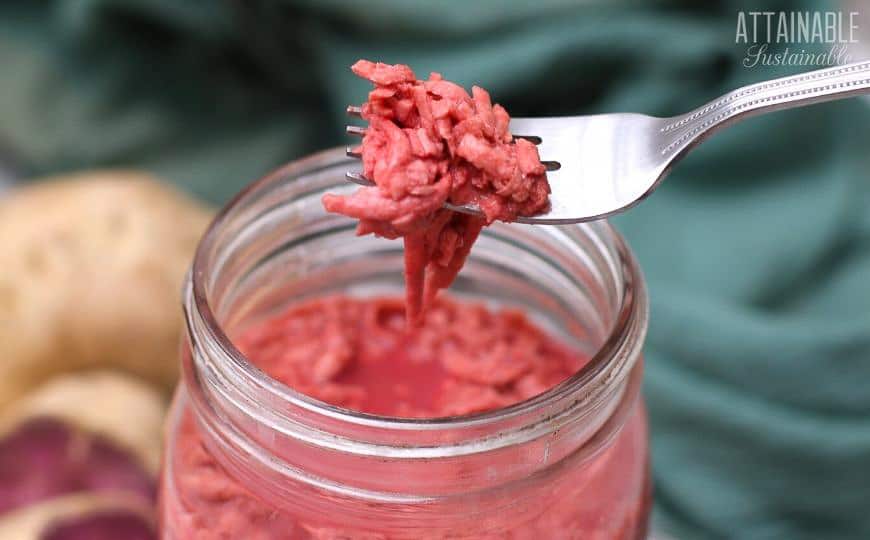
(356, 111)
(358, 178)
(356, 152)
(552, 165)
(534, 139)
(361, 131)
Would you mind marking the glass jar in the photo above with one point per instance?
(247, 457)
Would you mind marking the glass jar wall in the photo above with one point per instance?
(248, 457)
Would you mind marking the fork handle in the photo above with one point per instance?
(683, 132)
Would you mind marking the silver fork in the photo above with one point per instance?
(603, 164)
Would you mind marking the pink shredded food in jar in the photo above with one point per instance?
(427, 143)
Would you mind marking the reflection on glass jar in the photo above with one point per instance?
(248, 457)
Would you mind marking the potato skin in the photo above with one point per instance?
(31, 522)
(91, 266)
(121, 408)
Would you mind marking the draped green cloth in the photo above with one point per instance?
(756, 249)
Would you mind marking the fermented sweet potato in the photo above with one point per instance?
(97, 433)
(84, 516)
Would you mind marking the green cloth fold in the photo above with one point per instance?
(756, 249)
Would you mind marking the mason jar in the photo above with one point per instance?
(248, 457)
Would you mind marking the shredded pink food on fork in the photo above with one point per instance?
(427, 143)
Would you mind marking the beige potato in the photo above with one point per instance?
(90, 271)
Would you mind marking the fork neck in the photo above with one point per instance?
(681, 133)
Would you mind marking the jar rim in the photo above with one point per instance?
(631, 318)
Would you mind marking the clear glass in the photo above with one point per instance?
(247, 457)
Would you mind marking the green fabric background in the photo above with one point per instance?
(756, 249)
